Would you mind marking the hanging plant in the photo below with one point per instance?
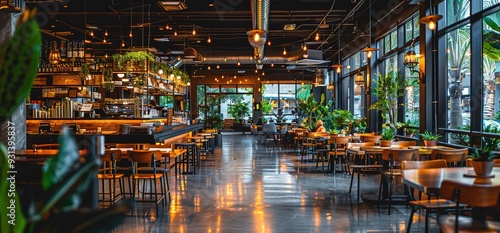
(84, 71)
(124, 61)
(108, 83)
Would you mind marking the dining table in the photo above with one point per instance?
(429, 180)
(40, 153)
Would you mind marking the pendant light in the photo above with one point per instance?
(368, 50)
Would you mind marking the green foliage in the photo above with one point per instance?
(488, 146)
(388, 133)
(139, 56)
(213, 120)
(387, 89)
(239, 110)
(308, 107)
(19, 64)
(429, 136)
(341, 119)
(267, 107)
(108, 83)
(357, 125)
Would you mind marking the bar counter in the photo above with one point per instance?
(111, 129)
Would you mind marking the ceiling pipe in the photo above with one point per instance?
(260, 23)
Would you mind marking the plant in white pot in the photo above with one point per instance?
(430, 139)
(482, 160)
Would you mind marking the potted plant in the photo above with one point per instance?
(108, 82)
(308, 108)
(388, 88)
(430, 139)
(387, 135)
(482, 160)
(239, 111)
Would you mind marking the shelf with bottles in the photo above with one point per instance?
(63, 92)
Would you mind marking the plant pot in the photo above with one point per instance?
(428, 143)
(218, 139)
(483, 168)
(385, 143)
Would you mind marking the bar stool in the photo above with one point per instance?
(191, 156)
(152, 175)
(113, 196)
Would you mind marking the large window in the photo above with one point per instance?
(458, 72)
(279, 100)
(457, 10)
(491, 69)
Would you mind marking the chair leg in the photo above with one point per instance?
(380, 193)
(427, 221)
(359, 174)
(390, 195)
(411, 219)
(352, 179)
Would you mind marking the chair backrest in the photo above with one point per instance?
(360, 144)
(474, 195)
(144, 156)
(269, 128)
(147, 146)
(283, 129)
(370, 138)
(398, 155)
(111, 155)
(339, 140)
(440, 163)
(403, 144)
(454, 157)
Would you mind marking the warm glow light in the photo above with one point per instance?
(256, 37)
(448, 50)
(272, 65)
(258, 79)
(104, 40)
(209, 40)
(338, 69)
(317, 36)
(178, 77)
(284, 51)
(92, 33)
(431, 25)
(130, 34)
(120, 75)
(304, 47)
(193, 32)
(208, 68)
(239, 63)
(218, 66)
(225, 59)
(175, 33)
(256, 71)
(269, 42)
(106, 55)
(160, 71)
(123, 43)
(369, 54)
(106, 33)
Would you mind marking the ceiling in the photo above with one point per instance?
(225, 22)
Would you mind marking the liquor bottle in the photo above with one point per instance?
(81, 49)
(69, 51)
(75, 49)
(62, 49)
(75, 65)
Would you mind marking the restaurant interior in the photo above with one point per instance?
(250, 116)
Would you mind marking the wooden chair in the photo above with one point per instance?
(150, 172)
(473, 195)
(134, 146)
(394, 157)
(338, 145)
(111, 196)
(370, 138)
(454, 157)
(428, 204)
(403, 144)
(359, 164)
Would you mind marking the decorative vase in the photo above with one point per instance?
(385, 143)
(429, 143)
(483, 168)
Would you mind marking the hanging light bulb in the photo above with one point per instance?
(106, 33)
(123, 43)
(284, 51)
(104, 40)
(431, 25)
(92, 33)
(256, 71)
(272, 65)
(208, 68)
(338, 70)
(269, 42)
(106, 55)
(209, 40)
(304, 47)
(316, 38)
(218, 66)
(194, 31)
(175, 33)
(239, 63)
(256, 37)
(258, 79)
(130, 34)
(225, 59)
(369, 54)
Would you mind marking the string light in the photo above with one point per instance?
(175, 33)
(106, 33)
(239, 63)
(304, 47)
(92, 33)
(123, 43)
(209, 40)
(218, 66)
(104, 40)
(130, 34)
(284, 51)
(316, 38)
(269, 42)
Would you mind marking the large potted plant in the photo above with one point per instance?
(308, 109)
(482, 160)
(387, 89)
(430, 139)
(239, 111)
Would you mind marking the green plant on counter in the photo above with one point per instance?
(429, 136)
(488, 146)
(84, 71)
(64, 179)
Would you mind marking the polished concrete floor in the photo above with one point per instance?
(249, 187)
